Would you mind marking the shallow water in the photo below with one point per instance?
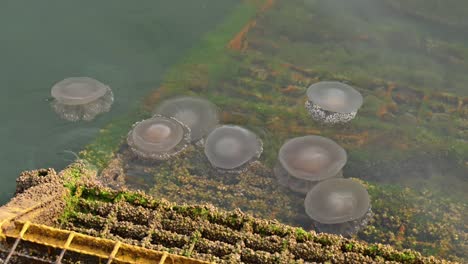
(411, 131)
(125, 45)
(409, 139)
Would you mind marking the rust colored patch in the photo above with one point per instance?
(426, 98)
(229, 117)
(362, 37)
(297, 77)
(390, 88)
(151, 100)
(291, 89)
(401, 145)
(268, 4)
(293, 67)
(303, 130)
(356, 140)
(386, 110)
(401, 233)
(383, 111)
(239, 42)
(275, 73)
(460, 105)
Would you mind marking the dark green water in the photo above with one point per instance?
(127, 45)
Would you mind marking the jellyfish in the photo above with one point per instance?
(200, 115)
(332, 102)
(232, 149)
(304, 161)
(338, 206)
(158, 138)
(81, 98)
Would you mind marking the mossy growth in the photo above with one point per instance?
(270, 229)
(100, 194)
(102, 149)
(266, 94)
(136, 199)
(406, 218)
(235, 225)
(405, 257)
(207, 56)
(302, 235)
(71, 201)
(348, 247)
(78, 171)
(194, 211)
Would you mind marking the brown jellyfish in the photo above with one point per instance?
(232, 148)
(332, 102)
(304, 161)
(158, 138)
(200, 115)
(81, 98)
(338, 206)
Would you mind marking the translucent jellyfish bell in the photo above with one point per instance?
(304, 161)
(232, 148)
(333, 102)
(81, 98)
(339, 206)
(158, 138)
(200, 115)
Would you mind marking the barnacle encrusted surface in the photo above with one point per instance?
(206, 232)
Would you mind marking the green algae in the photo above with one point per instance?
(354, 48)
(102, 149)
(410, 219)
(393, 208)
(253, 90)
(323, 247)
(209, 52)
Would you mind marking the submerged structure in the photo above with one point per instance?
(100, 225)
(69, 217)
(81, 98)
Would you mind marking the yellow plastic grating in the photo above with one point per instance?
(113, 251)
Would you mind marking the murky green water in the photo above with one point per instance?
(124, 44)
(412, 136)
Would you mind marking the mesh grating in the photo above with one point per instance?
(208, 233)
(32, 243)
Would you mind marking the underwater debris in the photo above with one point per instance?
(81, 98)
